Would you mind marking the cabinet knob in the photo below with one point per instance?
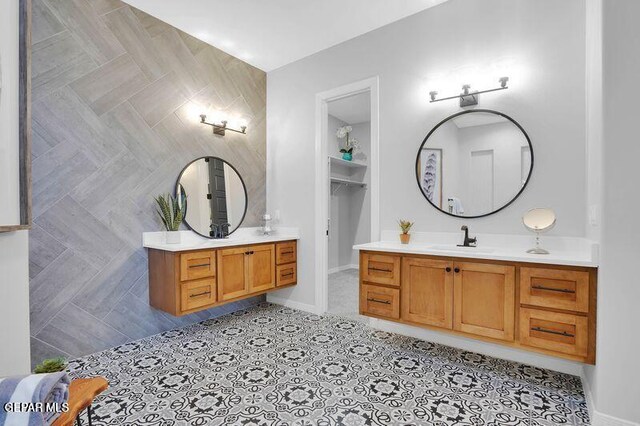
(456, 270)
(448, 269)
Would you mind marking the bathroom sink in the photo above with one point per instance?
(454, 248)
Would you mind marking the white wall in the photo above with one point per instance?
(14, 281)
(505, 141)
(361, 198)
(615, 382)
(545, 39)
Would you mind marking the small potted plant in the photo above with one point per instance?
(52, 365)
(350, 144)
(405, 227)
(171, 211)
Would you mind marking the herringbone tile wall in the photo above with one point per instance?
(116, 98)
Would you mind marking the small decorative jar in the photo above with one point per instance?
(347, 156)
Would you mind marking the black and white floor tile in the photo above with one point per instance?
(270, 365)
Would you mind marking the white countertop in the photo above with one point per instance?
(563, 251)
(189, 240)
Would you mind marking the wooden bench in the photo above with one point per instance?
(82, 392)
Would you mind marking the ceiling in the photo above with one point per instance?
(270, 34)
(354, 109)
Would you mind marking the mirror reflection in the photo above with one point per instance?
(216, 196)
(474, 163)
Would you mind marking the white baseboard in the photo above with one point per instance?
(342, 268)
(291, 304)
(597, 418)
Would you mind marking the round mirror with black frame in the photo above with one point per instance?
(474, 163)
(215, 196)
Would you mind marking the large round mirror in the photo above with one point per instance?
(474, 163)
(216, 198)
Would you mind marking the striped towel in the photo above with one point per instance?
(36, 399)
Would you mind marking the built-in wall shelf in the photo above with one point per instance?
(340, 162)
(347, 182)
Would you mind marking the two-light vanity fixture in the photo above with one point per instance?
(468, 98)
(221, 128)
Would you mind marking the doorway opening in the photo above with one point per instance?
(347, 191)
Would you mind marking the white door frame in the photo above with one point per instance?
(322, 186)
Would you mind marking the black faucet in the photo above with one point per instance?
(224, 234)
(218, 232)
(467, 241)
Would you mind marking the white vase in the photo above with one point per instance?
(172, 237)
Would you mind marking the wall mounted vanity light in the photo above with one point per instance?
(221, 129)
(468, 98)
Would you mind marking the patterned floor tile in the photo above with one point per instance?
(270, 365)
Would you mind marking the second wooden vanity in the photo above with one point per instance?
(186, 281)
(533, 306)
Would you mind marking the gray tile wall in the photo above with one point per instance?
(114, 91)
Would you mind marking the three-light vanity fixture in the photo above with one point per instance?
(221, 128)
(468, 98)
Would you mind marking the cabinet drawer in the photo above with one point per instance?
(555, 288)
(286, 252)
(197, 264)
(380, 301)
(564, 333)
(380, 269)
(196, 294)
(286, 274)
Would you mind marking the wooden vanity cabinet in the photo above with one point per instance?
(184, 282)
(535, 307)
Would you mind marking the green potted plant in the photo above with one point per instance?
(405, 227)
(350, 144)
(51, 365)
(171, 211)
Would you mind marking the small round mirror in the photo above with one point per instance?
(215, 194)
(539, 220)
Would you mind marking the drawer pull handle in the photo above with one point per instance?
(386, 302)
(249, 252)
(200, 294)
(559, 290)
(378, 269)
(559, 333)
(290, 274)
(287, 252)
(200, 265)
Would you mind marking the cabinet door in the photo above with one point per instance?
(232, 273)
(380, 301)
(286, 252)
(286, 274)
(197, 294)
(484, 296)
(380, 269)
(262, 267)
(197, 264)
(554, 331)
(555, 288)
(427, 291)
